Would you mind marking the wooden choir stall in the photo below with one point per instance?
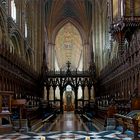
(19, 119)
(5, 111)
(130, 120)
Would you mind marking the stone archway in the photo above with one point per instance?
(68, 99)
(52, 53)
(66, 93)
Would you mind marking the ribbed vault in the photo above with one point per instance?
(65, 12)
(58, 10)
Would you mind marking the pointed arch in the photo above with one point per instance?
(17, 38)
(16, 44)
(74, 23)
(68, 45)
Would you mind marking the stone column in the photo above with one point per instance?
(89, 94)
(45, 93)
(76, 99)
(86, 55)
(61, 100)
(83, 89)
(48, 93)
(50, 55)
(54, 88)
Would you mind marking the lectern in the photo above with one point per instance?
(5, 111)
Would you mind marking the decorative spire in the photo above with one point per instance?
(92, 67)
(68, 70)
(44, 65)
(91, 50)
(68, 64)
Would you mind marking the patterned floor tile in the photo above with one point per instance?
(68, 135)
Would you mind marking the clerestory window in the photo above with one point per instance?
(13, 10)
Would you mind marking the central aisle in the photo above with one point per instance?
(67, 126)
(68, 122)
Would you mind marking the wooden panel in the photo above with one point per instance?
(5, 108)
(6, 129)
(18, 102)
(135, 105)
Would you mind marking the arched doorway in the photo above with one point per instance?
(68, 99)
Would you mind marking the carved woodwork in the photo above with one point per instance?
(20, 123)
(121, 76)
(5, 111)
(74, 78)
(130, 120)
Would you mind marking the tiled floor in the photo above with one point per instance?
(68, 127)
(68, 122)
(69, 135)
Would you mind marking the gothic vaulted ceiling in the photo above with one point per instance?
(58, 13)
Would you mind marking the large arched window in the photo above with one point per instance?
(26, 32)
(13, 10)
(68, 47)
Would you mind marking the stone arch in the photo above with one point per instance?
(16, 37)
(74, 23)
(28, 57)
(71, 94)
(66, 84)
(16, 44)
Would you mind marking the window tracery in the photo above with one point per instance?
(13, 10)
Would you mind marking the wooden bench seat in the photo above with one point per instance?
(20, 125)
(130, 121)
